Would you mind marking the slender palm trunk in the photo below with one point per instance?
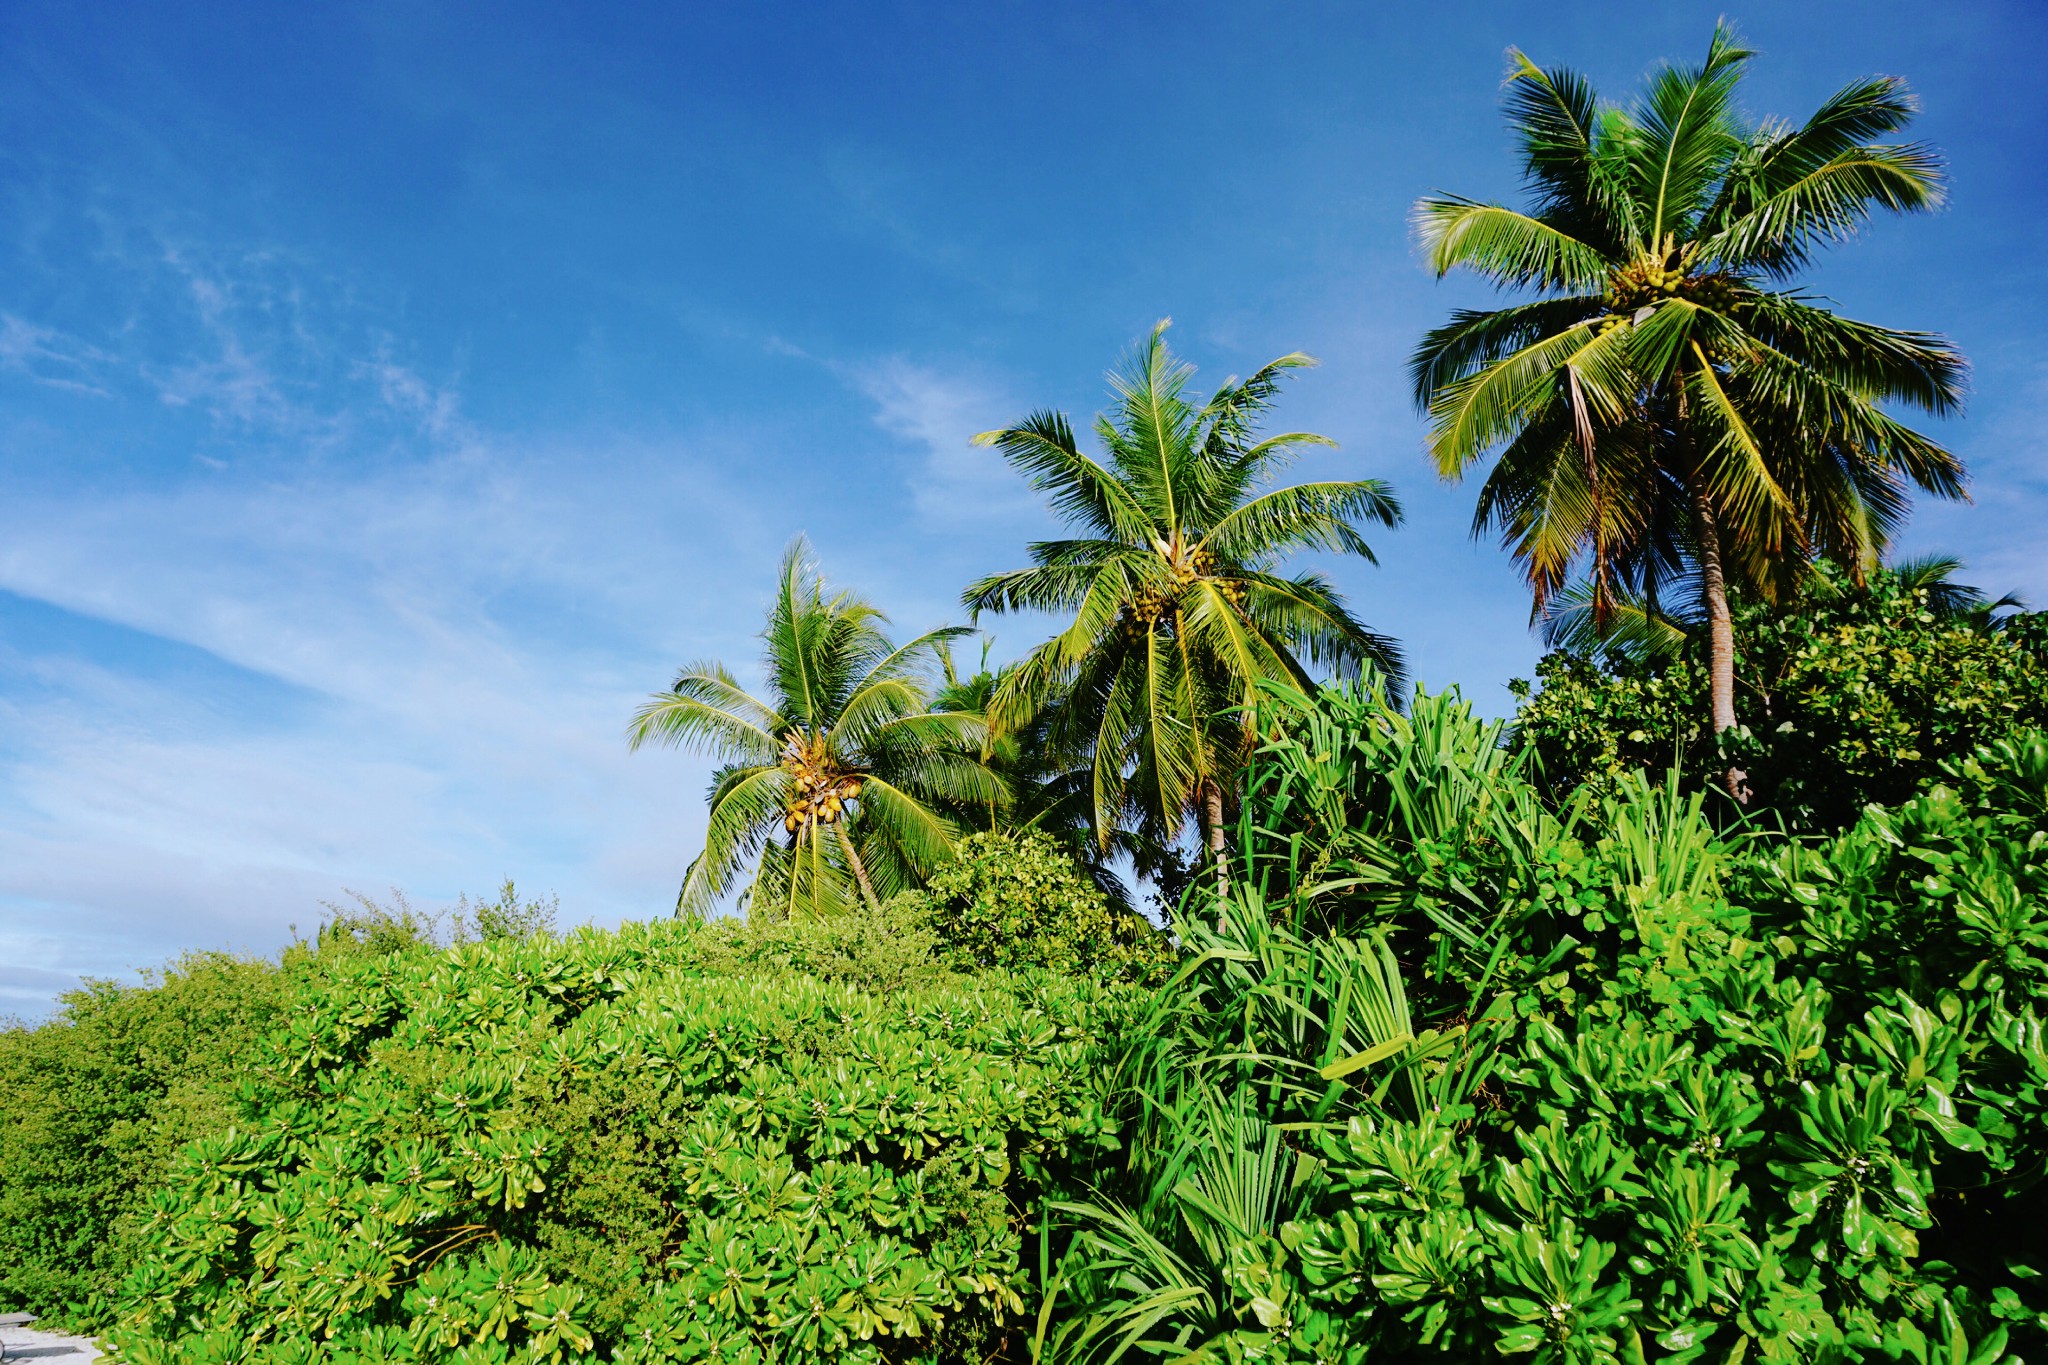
(1720, 632)
(860, 869)
(1212, 830)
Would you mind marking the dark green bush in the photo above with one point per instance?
(1849, 696)
(96, 1104)
(1611, 1087)
(592, 1148)
(1012, 900)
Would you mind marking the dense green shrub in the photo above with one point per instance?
(1848, 696)
(594, 1148)
(96, 1103)
(1620, 1089)
(883, 948)
(1016, 899)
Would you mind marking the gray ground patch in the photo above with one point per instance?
(45, 1348)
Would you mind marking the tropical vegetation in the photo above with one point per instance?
(1860, 695)
(1696, 1013)
(839, 783)
(1669, 410)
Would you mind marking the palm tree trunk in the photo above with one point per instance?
(1720, 633)
(860, 869)
(1212, 830)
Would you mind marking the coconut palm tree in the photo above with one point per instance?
(1668, 406)
(1172, 584)
(836, 781)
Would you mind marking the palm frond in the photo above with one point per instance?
(707, 710)
(1507, 247)
(925, 837)
(745, 809)
(1475, 338)
(1687, 137)
(1877, 363)
(1575, 621)
(1556, 116)
(1308, 612)
(1488, 407)
(1042, 448)
(1317, 516)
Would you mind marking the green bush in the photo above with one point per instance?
(882, 949)
(1849, 696)
(1015, 899)
(1658, 1094)
(97, 1102)
(594, 1148)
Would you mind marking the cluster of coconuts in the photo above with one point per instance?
(1152, 603)
(819, 791)
(1141, 611)
(1645, 281)
(821, 799)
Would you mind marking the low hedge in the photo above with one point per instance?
(97, 1102)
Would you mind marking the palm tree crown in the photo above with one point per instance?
(1669, 406)
(1177, 604)
(835, 784)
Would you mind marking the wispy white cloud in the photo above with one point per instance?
(940, 413)
(454, 628)
(49, 357)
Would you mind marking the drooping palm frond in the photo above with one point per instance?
(1624, 623)
(1507, 247)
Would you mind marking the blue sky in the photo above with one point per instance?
(392, 394)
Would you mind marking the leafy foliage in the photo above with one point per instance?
(1852, 695)
(588, 1148)
(1014, 900)
(1682, 1097)
(98, 1101)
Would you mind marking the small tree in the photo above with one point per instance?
(1013, 899)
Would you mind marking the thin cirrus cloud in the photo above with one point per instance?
(406, 657)
(374, 689)
(955, 482)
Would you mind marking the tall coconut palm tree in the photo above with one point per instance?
(1172, 584)
(835, 782)
(1668, 406)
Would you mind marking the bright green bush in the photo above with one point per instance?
(1618, 1089)
(1846, 697)
(884, 948)
(1015, 899)
(593, 1148)
(96, 1103)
